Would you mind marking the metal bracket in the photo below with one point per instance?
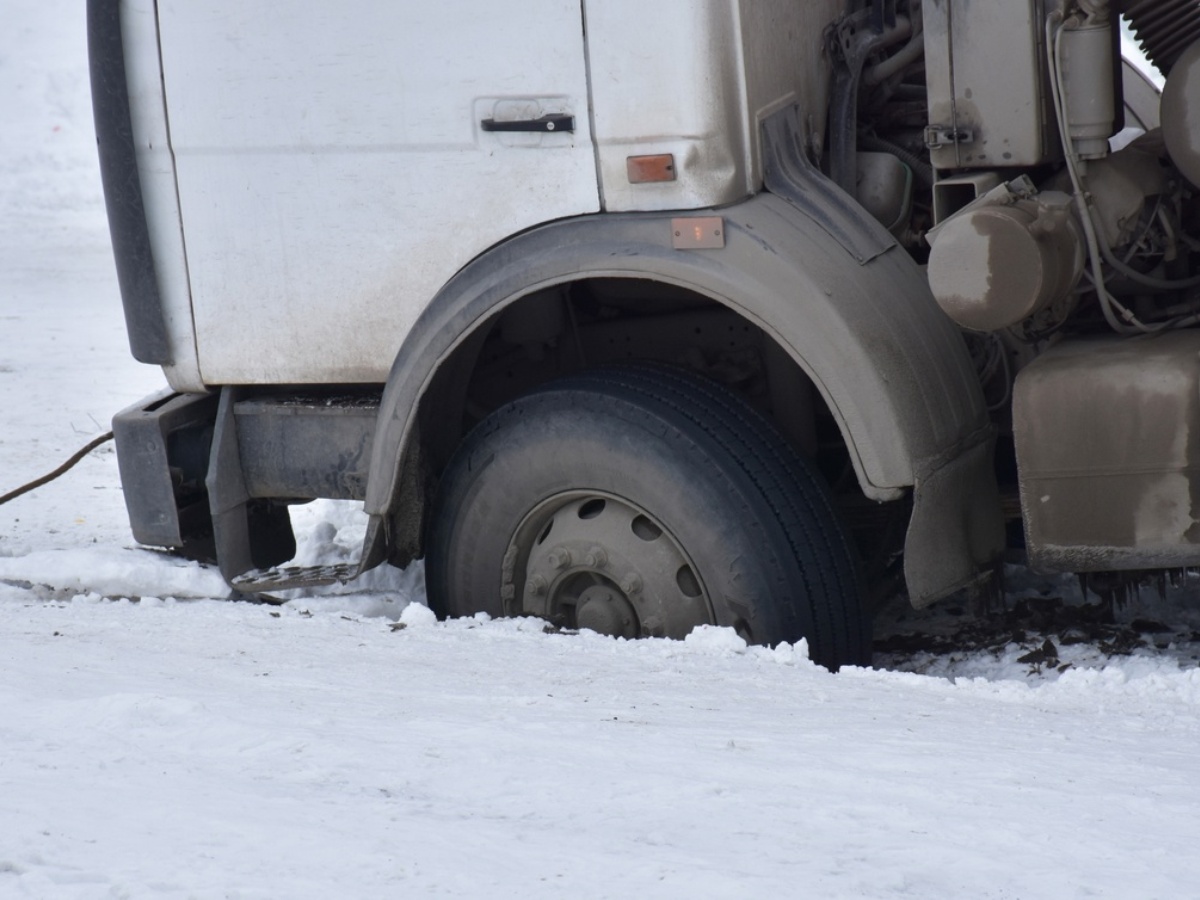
(945, 135)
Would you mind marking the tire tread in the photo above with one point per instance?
(820, 554)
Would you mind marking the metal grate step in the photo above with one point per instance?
(288, 577)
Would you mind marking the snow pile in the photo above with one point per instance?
(214, 749)
(111, 572)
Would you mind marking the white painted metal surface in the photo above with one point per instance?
(695, 78)
(147, 112)
(333, 174)
(990, 87)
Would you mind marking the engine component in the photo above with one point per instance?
(1165, 28)
(1180, 124)
(1119, 317)
(953, 193)
(1108, 464)
(1005, 257)
(1119, 186)
(852, 40)
(884, 188)
(1088, 81)
(986, 74)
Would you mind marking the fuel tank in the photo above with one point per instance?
(1108, 451)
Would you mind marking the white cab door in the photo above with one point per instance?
(333, 172)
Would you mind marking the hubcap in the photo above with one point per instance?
(589, 560)
(607, 611)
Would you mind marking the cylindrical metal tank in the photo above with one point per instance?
(994, 265)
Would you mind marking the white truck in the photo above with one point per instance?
(639, 316)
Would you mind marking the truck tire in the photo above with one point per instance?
(642, 501)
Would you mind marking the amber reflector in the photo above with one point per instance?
(646, 169)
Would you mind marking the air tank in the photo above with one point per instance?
(1005, 257)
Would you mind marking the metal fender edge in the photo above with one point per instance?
(144, 318)
(891, 368)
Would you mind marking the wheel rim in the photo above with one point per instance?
(592, 560)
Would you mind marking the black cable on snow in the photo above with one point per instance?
(70, 463)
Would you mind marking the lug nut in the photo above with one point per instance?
(536, 585)
(560, 557)
(631, 583)
(596, 558)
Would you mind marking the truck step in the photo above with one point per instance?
(288, 577)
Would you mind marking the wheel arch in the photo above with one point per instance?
(892, 370)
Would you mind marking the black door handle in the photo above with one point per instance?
(552, 122)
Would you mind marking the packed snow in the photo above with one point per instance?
(158, 740)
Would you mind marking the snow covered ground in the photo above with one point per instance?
(157, 741)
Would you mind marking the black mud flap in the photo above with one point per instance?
(956, 533)
(250, 533)
(163, 444)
